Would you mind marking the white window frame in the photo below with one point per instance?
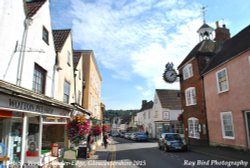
(194, 131)
(226, 80)
(187, 71)
(190, 93)
(223, 126)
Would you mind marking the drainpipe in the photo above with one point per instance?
(27, 23)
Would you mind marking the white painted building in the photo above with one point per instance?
(165, 112)
(27, 87)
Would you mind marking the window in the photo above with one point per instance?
(227, 125)
(69, 58)
(222, 81)
(187, 71)
(45, 35)
(193, 128)
(80, 74)
(66, 92)
(190, 96)
(39, 79)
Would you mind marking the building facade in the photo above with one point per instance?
(192, 83)
(226, 82)
(165, 112)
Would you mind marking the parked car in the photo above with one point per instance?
(140, 136)
(172, 142)
(127, 135)
(115, 134)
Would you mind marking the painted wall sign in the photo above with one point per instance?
(14, 103)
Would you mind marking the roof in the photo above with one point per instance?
(205, 26)
(60, 36)
(169, 98)
(147, 105)
(231, 48)
(76, 57)
(33, 7)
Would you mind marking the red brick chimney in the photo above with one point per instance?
(221, 33)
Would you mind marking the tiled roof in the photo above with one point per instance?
(33, 7)
(147, 105)
(231, 48)
(201, 47)
(60, 37)
(169, 98)
(76, 57)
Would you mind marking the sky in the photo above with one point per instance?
(133, 39)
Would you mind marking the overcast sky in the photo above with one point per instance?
(134, 39)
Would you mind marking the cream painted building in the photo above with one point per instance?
(92, 90)
(64, 74)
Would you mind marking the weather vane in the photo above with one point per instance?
(203, 10)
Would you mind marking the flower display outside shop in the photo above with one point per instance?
(78, 128)
(106, 128)
(96, 130)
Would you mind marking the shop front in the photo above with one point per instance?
(32, 129)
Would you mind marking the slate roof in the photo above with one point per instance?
(231, 48)
(169, 98)
(33, 6)
(147, 105)
(60, 37)
(76, 57)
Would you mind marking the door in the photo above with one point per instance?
(247, 117)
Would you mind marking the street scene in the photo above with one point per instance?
(127, 153)
(121, 83)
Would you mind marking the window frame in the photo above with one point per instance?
(195, 132)
(66, 96)
(187, 71)
(193, 99)
(223, 126)
(218, 82)
(68, 58)
(42, 82)
(45, 35)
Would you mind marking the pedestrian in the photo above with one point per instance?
(89, 142)
(146, 133)
(105, 141)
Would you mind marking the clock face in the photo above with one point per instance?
(170, 76)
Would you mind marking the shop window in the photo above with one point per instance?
(39, 79)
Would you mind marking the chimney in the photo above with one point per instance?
(221, 33)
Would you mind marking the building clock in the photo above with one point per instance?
(170, 74)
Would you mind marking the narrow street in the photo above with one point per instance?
(126, 153)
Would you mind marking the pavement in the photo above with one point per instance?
(100, 158)
(223, 153)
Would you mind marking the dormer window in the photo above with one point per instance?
(187, 71)
(45, 35)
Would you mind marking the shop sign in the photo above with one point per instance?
(23, 105)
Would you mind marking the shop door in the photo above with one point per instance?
(15, 141)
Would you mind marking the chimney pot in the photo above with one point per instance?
(217, 24)
(224, 26)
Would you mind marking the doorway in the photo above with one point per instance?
(247, 118)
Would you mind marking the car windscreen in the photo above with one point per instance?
(172, 137)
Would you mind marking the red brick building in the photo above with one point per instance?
(191, 83)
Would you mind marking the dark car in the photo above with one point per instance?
(172, 142)
(140, 136)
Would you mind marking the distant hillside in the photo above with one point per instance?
(111, 113)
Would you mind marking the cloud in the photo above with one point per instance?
(137, 37)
